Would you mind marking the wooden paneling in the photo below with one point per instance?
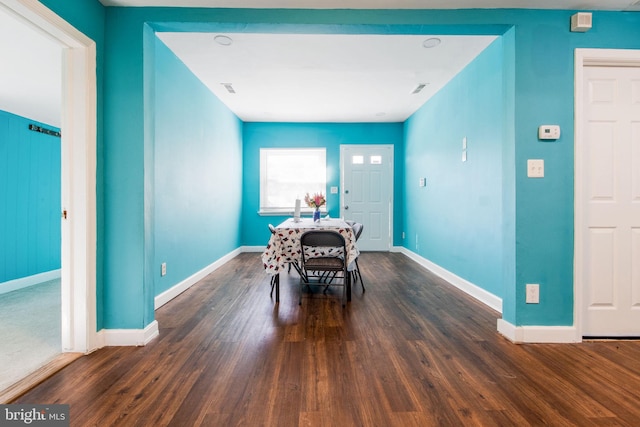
(29, 199)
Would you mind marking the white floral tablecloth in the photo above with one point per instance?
(284, 246)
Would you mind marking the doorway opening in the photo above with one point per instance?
(30, 194)
(78, 173)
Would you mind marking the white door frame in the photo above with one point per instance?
(584, 58)
(78, 157)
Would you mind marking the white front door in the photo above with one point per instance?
(608, 201)
(367, 192)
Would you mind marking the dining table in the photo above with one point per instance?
(283, 249)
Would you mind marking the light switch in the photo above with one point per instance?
(334, 190)
(535, 168)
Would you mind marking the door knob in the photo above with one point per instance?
(346, 208)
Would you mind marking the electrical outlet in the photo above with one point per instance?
(535, 168)
(533, 293)
(163, 269)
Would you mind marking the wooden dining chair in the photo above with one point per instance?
(319, 257)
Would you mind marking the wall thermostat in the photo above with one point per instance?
(549, 132)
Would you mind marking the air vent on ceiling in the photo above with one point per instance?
(229, 87)
(581, 22)
(419, 88)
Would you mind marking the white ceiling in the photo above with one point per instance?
(30, 72)
(364, 80)
(323, 78)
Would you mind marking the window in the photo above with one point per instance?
(358, 159)
(287, 174)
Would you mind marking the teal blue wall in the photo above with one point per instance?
(87, 16)
(544, 93)
(29, 199)
(198, 173)
(326, 135)
(456, 220)
(508, 178)
(537, 215)
(128, 180)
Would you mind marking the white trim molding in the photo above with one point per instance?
(78, 146)
(469, 288)
(128, 337)
(141, 337)
(538, 334)
(516, 334)
(25, 282)
(182, 286)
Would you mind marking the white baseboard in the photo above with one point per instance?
(25, 282)
(141, 337)
(253, 248)
(128, 337)
(538, 334)
(176, 290)
(516, 334)
(475, 291)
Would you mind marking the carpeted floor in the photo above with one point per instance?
(30, 330)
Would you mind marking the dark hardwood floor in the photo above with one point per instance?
(410, 351)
